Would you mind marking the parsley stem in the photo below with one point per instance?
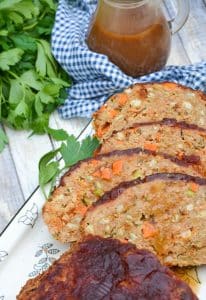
(30, 26)
(43, 14)
(14, 75)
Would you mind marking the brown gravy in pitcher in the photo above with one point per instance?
(136, 54)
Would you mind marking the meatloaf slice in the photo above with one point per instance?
(91, 178)
(150, 102)
(163, 213)
(98, 269)
(169, 136)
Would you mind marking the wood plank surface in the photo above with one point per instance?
(11, 196)
(193, 35)
(19, 161)
(26, 153)
(178, 54)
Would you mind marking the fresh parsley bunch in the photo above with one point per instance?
(32, 84)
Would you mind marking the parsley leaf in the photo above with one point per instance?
(58, 134)
(25, 42)
(88, 146)
(71, 151)
(9, 58)
(48, 169)
(41, 61)
(31, 79)
(8, 4)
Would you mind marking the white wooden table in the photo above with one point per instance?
(19, 161)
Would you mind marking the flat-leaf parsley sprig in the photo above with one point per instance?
(71, 151)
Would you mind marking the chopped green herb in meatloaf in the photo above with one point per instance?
(163, 213)
(91, 178)
(150, 102)
(170, 137)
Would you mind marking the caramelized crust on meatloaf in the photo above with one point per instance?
(147, 103)
(169, 136)
(163, 213)
(97, 269)
(91, 178)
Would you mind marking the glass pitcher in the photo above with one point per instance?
(134, 34)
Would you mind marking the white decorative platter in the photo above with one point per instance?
(27, 249)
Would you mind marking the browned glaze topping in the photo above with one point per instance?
(104, 269)
(115, 192)
(186, 160)
(167, 122)
(190, 159)
(170, 122)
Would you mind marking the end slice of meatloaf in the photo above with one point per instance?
(150, 102)
(163, 213)
(169, 136)
(91, 178)
(99, 268)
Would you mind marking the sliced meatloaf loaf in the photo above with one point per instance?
(150, 102)
(91, 178)
(169, 136)
(98, 269)
(163, 213)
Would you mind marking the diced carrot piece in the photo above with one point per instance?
(150, 146)
(202, 134)
(99, 132)
(106, 173)
(56, 223)
(122, 99)
(112, 113)
(81, 209)
(180, 154)
(158, 137)
(97, 173)
(117, 167)
(194, 187)
(170, 85)
(102, 108)
(94, 162)
(143, 93)
(148, 230)
(124, 241)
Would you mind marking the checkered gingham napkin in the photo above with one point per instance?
(95, 78)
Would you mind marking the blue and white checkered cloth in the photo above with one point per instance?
(95, 77)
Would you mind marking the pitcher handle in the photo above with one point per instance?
(182, 15)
